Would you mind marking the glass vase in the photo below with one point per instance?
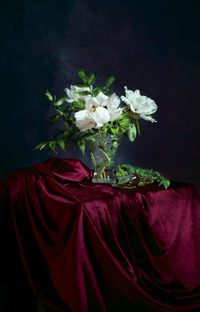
(103, 153)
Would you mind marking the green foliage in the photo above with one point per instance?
(121, 171)
(81, 85)
(78, 105)
(138, 126)
(54, 118)
(63, 144)
(81, 145)
(49, 96)
(40, 146)
(82, 74)
(164, 182)
(127, 123)
(124, 122)
(110, 80)
(65, 112)
(146, 176)
(92, 78)
(52, 145)
(115, 144)
(97, 90)
(61, 113)
(60, 102)
(84, 93)
(132, 132)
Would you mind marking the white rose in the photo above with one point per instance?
(100, 100)
(100, 116)
(73, 93)
(141, 105)
(111, 103)
(113, 106)
(84, 120)
(101, 109)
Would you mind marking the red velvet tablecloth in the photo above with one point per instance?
(91, 247)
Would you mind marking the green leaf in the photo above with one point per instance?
(54, 118)
(132, 132)
(115, 144)
(147, 175)
(110, 80)
(138, 126)
(130, 167)
(120, 171)
(61, 112)
(165, 183)
(63, 144)
(81, 85)
(82, 148)
(40, 146)
(92, 78)
(114, 130)
(68, 110)
(124, 122)
(61, 101)
(97, 89)
(90, 139)
(79, 104)
(84, 92)
(54, 98)
(65, 132)
(66, 125)
(52, 145)
(109, 90)
(81, 144)
(120, 117)
(82, 74)
(49, 96)
(156, 174)
(92, 146)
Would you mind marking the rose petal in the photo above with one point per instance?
(84, 120)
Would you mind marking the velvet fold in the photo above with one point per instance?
(91, 247)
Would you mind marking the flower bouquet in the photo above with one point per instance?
(93, 117)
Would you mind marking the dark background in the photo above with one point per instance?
(150, 45)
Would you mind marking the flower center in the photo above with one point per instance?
(134, 115)
(93, 108)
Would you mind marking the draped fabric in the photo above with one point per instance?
(91, 247)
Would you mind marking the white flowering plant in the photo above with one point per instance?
(94, 116)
